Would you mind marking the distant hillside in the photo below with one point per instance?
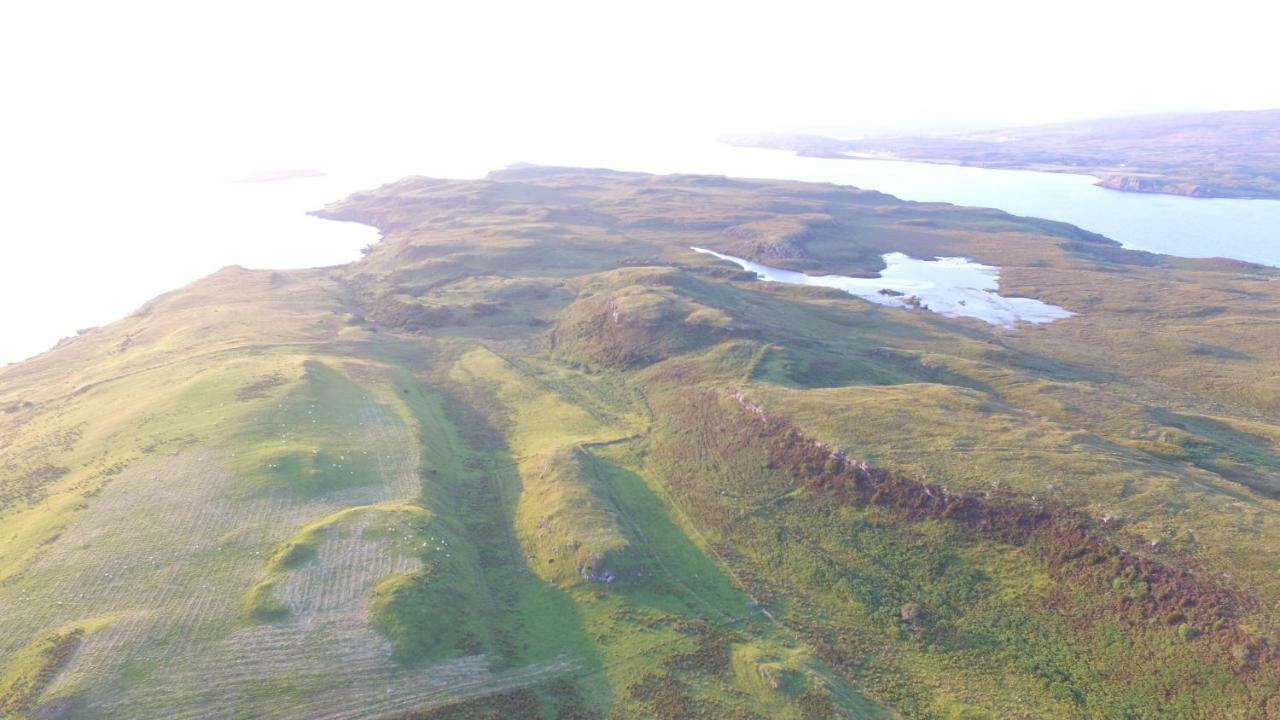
(1223, 154)
(534, 457)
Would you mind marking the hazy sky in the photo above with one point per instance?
(109, 107)
(268, 82)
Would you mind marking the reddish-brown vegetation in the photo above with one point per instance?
(1135, 588)
(22, 694)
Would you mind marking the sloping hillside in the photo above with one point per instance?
(535, 457)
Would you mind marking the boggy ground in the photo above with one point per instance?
(534, 457)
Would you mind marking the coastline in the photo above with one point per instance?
(1136, 183)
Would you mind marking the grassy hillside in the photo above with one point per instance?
(534, 457)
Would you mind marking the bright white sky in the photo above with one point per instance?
(101, 103)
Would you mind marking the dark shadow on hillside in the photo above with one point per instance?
(519, 606)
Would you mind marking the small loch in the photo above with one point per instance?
(949, 286)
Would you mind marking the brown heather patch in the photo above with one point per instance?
(711, 656)
(259, 388)
(561, 697)
(23, 694)
(1124, 586)
(665, 694)
(1066, 541)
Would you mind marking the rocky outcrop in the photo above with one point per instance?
(1160, 587)
(1146, 184)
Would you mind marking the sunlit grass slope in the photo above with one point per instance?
(534, 457)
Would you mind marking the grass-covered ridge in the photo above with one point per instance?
(534, 457)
